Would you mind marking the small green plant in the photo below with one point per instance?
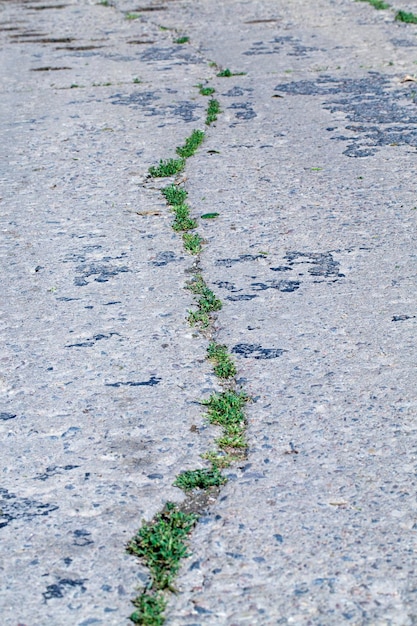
(149, 609)
(224, 366)
(199, 479)
(207, 303)
(183, 221)
(219, 459)
(161, 544)
(191, 144)
(170, 167)
(408, 18)
(226, 409)
(136, 81)
(174, 195)
(104, 3)
(213, 111)
(380, 5)
(209, 216)
(181, 40)
(226, 73)
(192, 242)
(132, 16)
(205, 91)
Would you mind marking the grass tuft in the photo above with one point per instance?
(192, 242)
(226, 73)
(205, 91)
(149, 610)
(161, 544)
(219, 459)
(181, 40)
(408, 18)
(380, 5)
(182, 220)
(191, 144)
(213, 111)
(174, 195)
(132, 16)
(224, 366)
(199, 479)
(170, 167)
(226, 409)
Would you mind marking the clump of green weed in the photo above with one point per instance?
(174, 195)
(183, 221)
(380, 5)
(199, 479)
(181, 40)
(191, 144)
(170, 167)
(213, 111)
(224, 366)
(408, 18)
(192, 242)
(207, 302)
(161, 544)
(205, 91)
(149, 609)
(226, 409)
(132, 16)
(136, 81)
(226, 73)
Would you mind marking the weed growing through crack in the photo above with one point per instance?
(161, 544)
(192, 242)
(166, 168)
(408, 18)
(132, 16)
(191, 145)
(205, 91)
(207, 303)
(213, 111)
(182, 220)
(380, 5)
(149, 609)
(219, 459)
(200, 479)
(224, 366)
(226, 73)
(226, 410)
(182, 40)
(174, 195)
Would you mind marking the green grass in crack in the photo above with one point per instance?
(213, 111)
(170, 167)
(219, 459)
(224, 366)
(191, 144)
(199, 479)
(226, 409)
(380, 5)
(205, 91)
(181, 40)
(207, 303)
(174, 195)
(149, 609)
(183, 221)
(192, 242)
(226, 73)
(161, 544)
(408, 18)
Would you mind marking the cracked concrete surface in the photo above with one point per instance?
(311, 167)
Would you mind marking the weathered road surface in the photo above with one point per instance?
(312, 169)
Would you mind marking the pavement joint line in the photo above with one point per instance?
(161, 543)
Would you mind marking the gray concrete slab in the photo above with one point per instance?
(312, 169)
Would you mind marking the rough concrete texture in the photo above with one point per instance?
(312, 168)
